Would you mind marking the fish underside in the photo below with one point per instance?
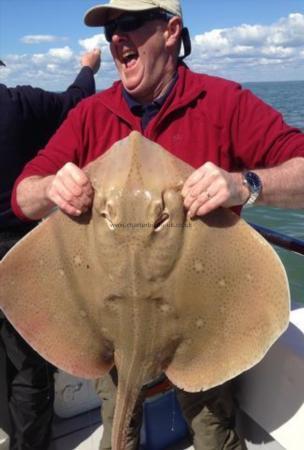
(135, 284)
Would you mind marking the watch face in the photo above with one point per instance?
(254, 184)
(254, 181)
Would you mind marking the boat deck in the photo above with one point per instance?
(83, 432)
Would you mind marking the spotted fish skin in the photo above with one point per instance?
(134, 283)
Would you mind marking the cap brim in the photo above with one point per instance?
(98, 16)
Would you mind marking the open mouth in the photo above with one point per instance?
(129, 58)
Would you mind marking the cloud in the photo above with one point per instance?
(246, 52)
(40, 38)
(288, 32)
(107, 73)
(98, 40)
(54, 56)
(249, 52)
(64, 53)
(53, 70)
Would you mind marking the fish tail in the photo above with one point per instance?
(128, 394)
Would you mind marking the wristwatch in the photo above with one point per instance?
(254, 184)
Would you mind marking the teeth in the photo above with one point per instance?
(129, 55)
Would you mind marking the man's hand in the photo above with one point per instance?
(210, 187)
(71, 190)
(92, 59)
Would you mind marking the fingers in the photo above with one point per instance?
(208, 188)
(92, 59)
(194, 178)
(205, 203)
(71, 190)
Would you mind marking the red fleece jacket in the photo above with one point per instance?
(203, 119)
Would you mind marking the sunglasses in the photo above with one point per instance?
(131, 22)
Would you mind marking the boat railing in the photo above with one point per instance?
(280, 239)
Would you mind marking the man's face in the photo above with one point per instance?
(142, 59)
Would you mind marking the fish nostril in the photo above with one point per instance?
(108, 219)
(109, 214)
(110, 210)
(161, 221)
(161, 214)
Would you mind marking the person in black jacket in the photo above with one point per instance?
(28, 118)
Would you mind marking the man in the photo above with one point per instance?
(29, 117)
(241, 148)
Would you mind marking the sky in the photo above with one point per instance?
(41, 41)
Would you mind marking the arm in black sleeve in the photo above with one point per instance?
(28, 118)
(51, 108)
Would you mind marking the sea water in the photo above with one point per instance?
(288, 98)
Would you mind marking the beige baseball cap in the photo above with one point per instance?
(99, 15)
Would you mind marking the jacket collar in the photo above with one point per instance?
(188, 88)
